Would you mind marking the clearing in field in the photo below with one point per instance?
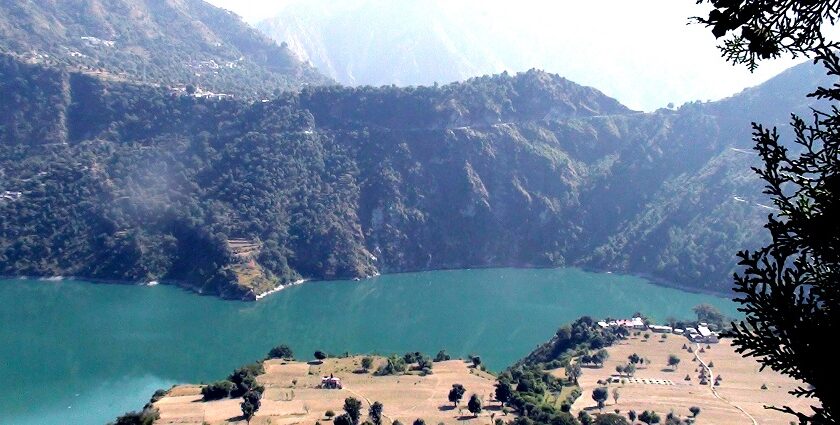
(738, 399)
(292, 395)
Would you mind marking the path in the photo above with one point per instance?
(712, 386)
(368, 402)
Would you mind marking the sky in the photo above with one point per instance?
(641, 52)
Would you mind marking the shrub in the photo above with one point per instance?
(217, 390)
(329, 413)
(367, 363)
(159, 394)
(442, 356)
(394, 366)
(281, 352)
(147, 416)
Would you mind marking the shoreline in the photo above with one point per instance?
(186, 286)
(280, 288)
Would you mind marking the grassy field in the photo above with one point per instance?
(741, 386)
(292, 396)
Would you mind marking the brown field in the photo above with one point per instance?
(740, 386)
(405, 397)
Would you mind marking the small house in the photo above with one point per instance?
(331, 383)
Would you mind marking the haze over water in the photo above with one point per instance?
(81, 353)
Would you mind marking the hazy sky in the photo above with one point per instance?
(640, 52)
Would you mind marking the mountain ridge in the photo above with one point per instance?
(129, 182)
(171, 42)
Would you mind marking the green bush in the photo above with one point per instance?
(217, 390)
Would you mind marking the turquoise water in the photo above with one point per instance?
(81, 353)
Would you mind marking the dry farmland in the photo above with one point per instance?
(292, 395)
(740, 387)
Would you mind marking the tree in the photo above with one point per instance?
(320, 355)
(281, 352)
(424, 362)
(610, 419)
(343, 419)
(456, 393)
(600, 356)
(673, 361)
(442, 356)
(353, 407)
(217, 390)
(573, 372)
(649, 417)
(600, 395)
(634, 358)
(474, 405)
(584, 418)
(631, 415)
(788, 289)
(503, 391)
(419, 421)
(250, 404)
(630, 369)
(147, 416)
(694, 411)
(615, 395)
(476, 361)
(367, 363)
(375, 413)
(709, 314)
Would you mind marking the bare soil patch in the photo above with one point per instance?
(741, 383)
(292, 395)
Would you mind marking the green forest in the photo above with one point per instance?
(121, 181)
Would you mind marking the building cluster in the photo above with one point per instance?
(701, 334)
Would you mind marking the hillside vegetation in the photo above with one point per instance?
(111, 180)
(171, 42)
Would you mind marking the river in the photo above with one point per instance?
(81, 353)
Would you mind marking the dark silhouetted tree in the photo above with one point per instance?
(649, 417)
(788, 290)
(474, 405)
(375, 413)
(503, 392)
(353, 407)
(281, 352)
(456, 393)
(250, 404)
(600, 395)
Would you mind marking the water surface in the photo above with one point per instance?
(81, 353)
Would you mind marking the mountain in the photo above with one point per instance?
(166, 42)
(401, 42)
(112, 180)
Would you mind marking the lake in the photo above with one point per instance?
(81, 353)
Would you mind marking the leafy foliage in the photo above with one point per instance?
(281, 352)
(788, 289)
(218, 390)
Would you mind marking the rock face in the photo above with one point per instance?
(132, 182)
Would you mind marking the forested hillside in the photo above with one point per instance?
(111, 180)
(167, 42)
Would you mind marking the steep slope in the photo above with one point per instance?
(170, 42)
(126, 182)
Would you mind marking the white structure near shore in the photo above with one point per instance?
(702, 334)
